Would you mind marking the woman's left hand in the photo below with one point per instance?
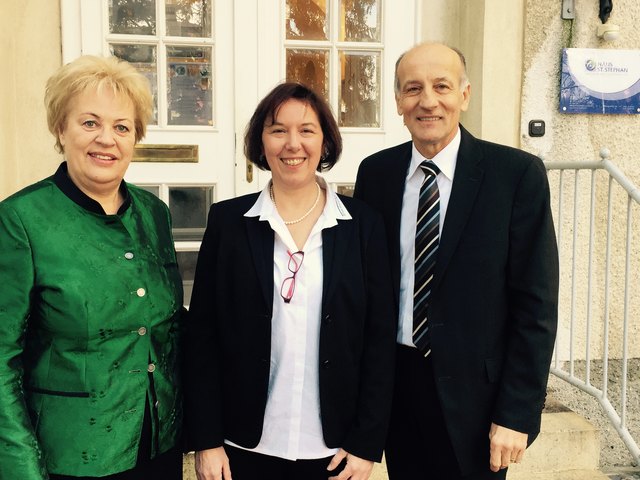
(356, 468)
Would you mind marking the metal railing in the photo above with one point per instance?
(600, 284)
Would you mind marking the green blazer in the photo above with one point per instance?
(90, 308)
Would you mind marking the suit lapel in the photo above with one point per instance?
(467, 181)
(335, 245)
(260, 239)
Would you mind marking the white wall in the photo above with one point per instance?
(489, 33)
(572, 137)
(31, 51)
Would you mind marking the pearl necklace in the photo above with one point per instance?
(298, 220)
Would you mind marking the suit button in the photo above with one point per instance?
(142, 331)
(326, 364)
(328, 319)
(151, 368)
(128, 255)
(141, 292)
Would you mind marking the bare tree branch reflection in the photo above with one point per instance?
(133, 16)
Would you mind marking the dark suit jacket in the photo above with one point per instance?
(229, 331)
(493, 307)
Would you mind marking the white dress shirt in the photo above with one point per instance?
(446, 161)
(292, 428)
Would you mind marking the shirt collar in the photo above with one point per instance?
(263, 207)
(445, 160)
(63, 181)
(334, 209)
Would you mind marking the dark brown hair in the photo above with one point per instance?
(267, 111)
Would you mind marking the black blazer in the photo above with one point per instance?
(493, 307)
(229, 331)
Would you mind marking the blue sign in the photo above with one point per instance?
(600, 81)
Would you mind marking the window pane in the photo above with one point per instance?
(189, 207)
(310, 67)
(346, 189)
(307, 19)
(360, 20)
(187, 266)
(188, 18)
(360, 90)
(143, 57)
(155, 189)
(190, 86)
(136, 17)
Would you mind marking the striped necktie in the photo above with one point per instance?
(427, 235)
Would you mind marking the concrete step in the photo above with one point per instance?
(379, 472)
(188, 472)
(564, 475)
(567, 447)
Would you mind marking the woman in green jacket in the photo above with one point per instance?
(91, 297)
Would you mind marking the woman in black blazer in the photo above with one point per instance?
(291, 332)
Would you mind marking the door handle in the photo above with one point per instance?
(249, 171)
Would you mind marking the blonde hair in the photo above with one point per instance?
(88, 72)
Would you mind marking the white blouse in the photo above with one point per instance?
(292, 428)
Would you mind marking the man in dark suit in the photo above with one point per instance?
(475, 345)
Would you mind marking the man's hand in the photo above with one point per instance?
(506, 446)
(212, 464)
(356, 469)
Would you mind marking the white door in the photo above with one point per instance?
(184, 48)
(345, 49)
(209, 62)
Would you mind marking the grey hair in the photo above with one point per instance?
(464, 79)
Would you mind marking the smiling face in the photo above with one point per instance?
(431, 96)
(98, 140)
(292, 144)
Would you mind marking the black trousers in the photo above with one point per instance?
(418, 445)
(247, 465)
(167, 466)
